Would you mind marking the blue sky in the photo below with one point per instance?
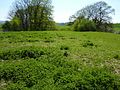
(63, 9)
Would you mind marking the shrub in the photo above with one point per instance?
(116, 57)
(88, 44)
(84, 25)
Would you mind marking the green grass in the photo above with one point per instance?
(63, 28)
(116, 27)
(59, 60)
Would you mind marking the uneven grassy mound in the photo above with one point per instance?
(59, 61)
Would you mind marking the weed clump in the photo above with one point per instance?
(88, 44)
(65, 54)
(116, 57)
(64, 47)
(49, 41)
(22, 54)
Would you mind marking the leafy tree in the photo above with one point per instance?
(99, 13)
(6, 26)
(13, 25)
(82, 24)
(33, 14)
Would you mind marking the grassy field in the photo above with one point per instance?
(116, 27)
(59, 60)
(63, 27)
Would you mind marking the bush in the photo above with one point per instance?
(84, 25)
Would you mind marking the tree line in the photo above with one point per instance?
(30, 15)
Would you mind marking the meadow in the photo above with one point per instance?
(59, 60)
(116, 27)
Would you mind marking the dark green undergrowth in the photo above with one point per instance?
(46, 73)
(59, 61)
(25, 53)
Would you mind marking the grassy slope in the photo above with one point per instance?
(63, 27)
(116, 27)
(59, 60)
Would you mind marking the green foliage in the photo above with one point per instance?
(0, 27)
(52, 60)
(6, 26)
(99, 12)
(30, 15)
(117, 57)
(116, 28)
(63, 28)
(84, 25)
(21, 53)
(13, 25)
(63, 47)
(33, 74)
(89, 44)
